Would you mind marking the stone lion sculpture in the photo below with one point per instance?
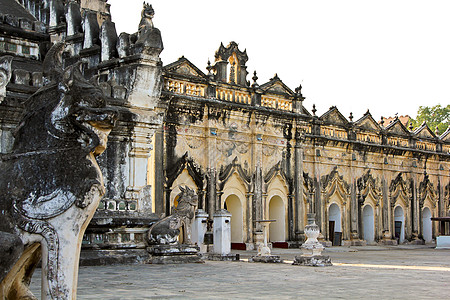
(51, 183)
(166, 230)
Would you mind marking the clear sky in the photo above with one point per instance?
(388, 56)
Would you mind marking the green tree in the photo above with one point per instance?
(434, 116)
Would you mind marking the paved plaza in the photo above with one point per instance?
(372, 272)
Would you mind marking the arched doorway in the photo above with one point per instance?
(426, 225)
(234, 206)
(399, 224)
(368, 224)
(335, 224)
(277, 230)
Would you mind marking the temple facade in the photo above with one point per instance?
(254, 150)
(250, 148)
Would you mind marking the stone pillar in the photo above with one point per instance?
(199, 228)
(299, 209)
(222, 232)
(258, 201)
(249, 215)
(159, 172)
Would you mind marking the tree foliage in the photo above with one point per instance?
(435, 116)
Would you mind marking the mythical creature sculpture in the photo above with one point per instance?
(148, 38)
(166, 230)
(147, 16)
(51, 183)
(5, 74)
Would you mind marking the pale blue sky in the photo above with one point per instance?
(387, 55)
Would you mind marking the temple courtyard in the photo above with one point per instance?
(370, 272)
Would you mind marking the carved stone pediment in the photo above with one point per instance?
(334, 117)
(398, 128)
(184, 67)
(368, 123)
(424, 132)
(276, 86)
(445, 137)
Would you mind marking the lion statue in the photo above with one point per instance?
(51, 183)
(166, 230)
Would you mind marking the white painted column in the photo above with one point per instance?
(199, 229)
(222, 232)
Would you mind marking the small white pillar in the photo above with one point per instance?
(199, 229)
(222, 232)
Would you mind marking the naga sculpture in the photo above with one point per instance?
(166, 230)
(51, 183)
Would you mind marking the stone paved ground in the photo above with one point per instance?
(407, 272)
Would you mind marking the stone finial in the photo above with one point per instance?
(123, 44)
(382, 121)
(73, 18)
(298, 90)
(350, 117)
(436, 131)
(56, 12)
(254, 78)
(314, 110)
(108, 38)
(91, 30)
(209, 67)
(411, 126)
(5, 74)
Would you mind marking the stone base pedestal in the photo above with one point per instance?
(417, 242)
(388, 242)
(174, 254)
(313, 261)
(266, 259)
(326, 244)
(220, 257)
(354, 242)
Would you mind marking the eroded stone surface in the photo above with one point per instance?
(51, 181)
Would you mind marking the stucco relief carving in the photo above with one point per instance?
(194, 142)
(334, 182)
(368, 184)
(426, 190)
(242, 147)
(400, 188)
(269, 150)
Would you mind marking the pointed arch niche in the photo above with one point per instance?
(428, 200)
(276, 209)
(336, 193)
(400, 212)
(370, 213)
(233, 199)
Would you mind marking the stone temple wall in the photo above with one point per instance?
(255, 150)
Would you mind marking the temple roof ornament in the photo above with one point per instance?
(224, 53)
